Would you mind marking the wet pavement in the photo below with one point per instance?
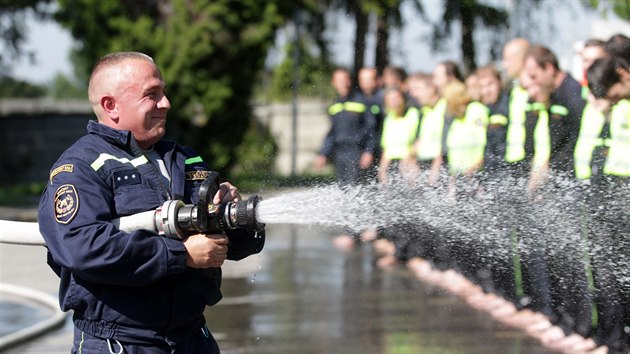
(301, 295)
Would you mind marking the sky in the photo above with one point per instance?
(563, 23)
(51, 45)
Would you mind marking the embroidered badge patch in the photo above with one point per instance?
(66, 203)
(63, 168)
(197, 175)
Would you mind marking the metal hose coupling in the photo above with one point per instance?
(241, 215)
(178, 220)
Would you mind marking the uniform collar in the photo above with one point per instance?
(122, 138)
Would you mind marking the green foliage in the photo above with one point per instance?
(10, 87)
(25, 194)
(63, 87)
(210, 52)
(256, 152)
(620, 7)
(313, 73)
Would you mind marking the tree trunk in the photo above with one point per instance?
(382, 43)
(359, 39)
(468, 43)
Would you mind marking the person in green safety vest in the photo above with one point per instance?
(465, 137)
(553, 121)
(605, 160)
(552, 126)
(399, 134)
(428, 145)
(513, 60)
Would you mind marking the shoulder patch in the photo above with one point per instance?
(66, 203)
(63, 168)
(197, 175)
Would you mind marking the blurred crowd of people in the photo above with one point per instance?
(525, 120)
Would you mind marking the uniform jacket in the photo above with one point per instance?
(352, 124)
(129, 286)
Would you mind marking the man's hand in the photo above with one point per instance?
(320, 162)
(366, 160)
(206, 251)
(227, 193)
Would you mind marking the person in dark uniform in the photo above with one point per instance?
(372, 95)
(351, 140)
(552, 127)
(608, 162)
(133, 292)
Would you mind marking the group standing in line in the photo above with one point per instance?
(531, 121)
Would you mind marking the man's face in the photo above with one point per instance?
(539, 79)
(440, 77)
(512, 61)
(394, 101)
(490, 89)
(422, 92)
(367, 81)
(341, 83)
(590, 54)
(142, 103)
(620, 90)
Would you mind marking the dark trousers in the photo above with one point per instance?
(200, 343)
(346, 160)
(609, 236)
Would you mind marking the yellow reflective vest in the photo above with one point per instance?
(618, 144)
(466, 138)
(431, 130)
(516, 133)
(399, 134)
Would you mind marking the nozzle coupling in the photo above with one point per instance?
(241, 215)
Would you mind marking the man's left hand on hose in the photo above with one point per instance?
(210, 251)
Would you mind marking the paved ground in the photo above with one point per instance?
(302, 296)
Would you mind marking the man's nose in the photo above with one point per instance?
(164, 103)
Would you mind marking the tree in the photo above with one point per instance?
(467, 12)
(12, 88)
(210, 52)
(620, 7)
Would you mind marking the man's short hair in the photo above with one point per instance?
(543, 56)
(113, 59)
(488, 71)
(452, 70)
(619, 45)
(603, 74)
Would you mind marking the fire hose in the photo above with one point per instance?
(173, 219)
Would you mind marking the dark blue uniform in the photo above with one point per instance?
(352, 132)
(131, 289)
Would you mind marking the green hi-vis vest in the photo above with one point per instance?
(515, 138)
(466, 139)
(618, 158)
(431, 130)
(542, 136)
(399, 134)
(591, 126)
(356, 107)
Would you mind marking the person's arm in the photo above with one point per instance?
(75, 214)
(369, 132)
(382, 169)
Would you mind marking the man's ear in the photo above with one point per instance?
(108, 104)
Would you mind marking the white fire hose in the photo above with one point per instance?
(27, 233)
